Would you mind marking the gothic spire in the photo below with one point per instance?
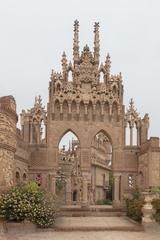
(76, 42)
(64, 65)
(96, 43)
(107, 67)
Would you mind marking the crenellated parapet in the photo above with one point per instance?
(85, 87)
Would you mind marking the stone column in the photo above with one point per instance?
(85, 193)
(52, 183)
(68, 192)
(116, 199)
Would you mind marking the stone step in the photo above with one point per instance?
(101, 211)
(96, 224)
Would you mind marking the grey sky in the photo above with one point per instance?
(34, 33)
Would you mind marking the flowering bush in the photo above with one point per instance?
(28, 202)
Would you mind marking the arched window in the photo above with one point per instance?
(127, 137)
(131, 134)
(42, 132)
(24, 177)
(134, 135)
(17, 177)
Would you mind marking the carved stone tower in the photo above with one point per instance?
(85, 105)
(8, 120)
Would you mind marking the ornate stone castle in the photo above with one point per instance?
(87, 100)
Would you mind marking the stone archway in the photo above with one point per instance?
(101, 164)
(69, 171)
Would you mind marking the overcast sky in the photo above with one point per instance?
(34, 33)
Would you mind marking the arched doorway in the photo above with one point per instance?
(102, 177)
(69, 167)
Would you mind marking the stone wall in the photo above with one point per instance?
(149, 164)
(8, 119)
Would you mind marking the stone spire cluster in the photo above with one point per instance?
(82, 79)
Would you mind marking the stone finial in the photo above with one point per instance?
(76, 25)
(86, 48)
(38, 101)
(96, 43)
(132, 116)
(76, 42)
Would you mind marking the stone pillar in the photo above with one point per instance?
(116, 196)
(85, 192)
(8, 119)
(68, 192)
(53, 184)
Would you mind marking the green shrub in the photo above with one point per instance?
(134, 207)
(28, 202)
(104, 202)
(153, 189)
(156, 205)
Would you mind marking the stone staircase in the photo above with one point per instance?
(92, 211)
(94, 218)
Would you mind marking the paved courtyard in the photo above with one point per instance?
(152, 232)
(105, 235)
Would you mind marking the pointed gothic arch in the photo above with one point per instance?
(69, 130)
